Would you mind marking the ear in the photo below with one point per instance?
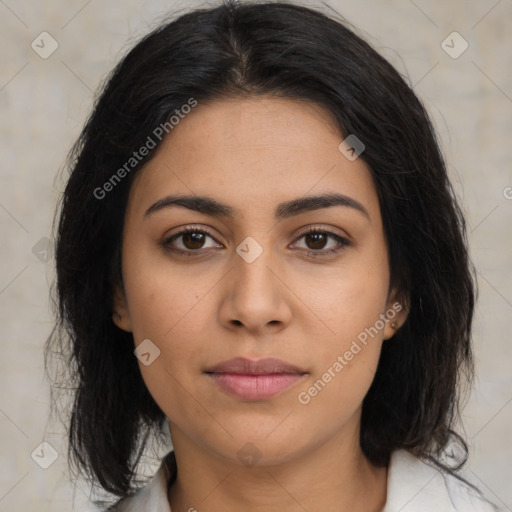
(120, 312)
(396, 314)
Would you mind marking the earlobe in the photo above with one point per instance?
(396, 315)
(391, 329)
(120, 314)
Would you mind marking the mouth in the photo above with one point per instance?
(255, 380)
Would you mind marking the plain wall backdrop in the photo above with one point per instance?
(44, 101)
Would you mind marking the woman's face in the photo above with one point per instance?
(251, 282)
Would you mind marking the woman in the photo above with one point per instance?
(259, 248)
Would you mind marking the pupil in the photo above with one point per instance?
(320, 239)
(195, 239)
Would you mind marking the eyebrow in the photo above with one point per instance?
(210, 206)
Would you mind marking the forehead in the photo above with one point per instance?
(252, 153)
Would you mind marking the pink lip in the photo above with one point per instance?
(255, 380)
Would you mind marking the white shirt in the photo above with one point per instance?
(413, 486)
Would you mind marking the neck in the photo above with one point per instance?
(333, 477)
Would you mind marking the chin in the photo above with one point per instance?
(251, 448)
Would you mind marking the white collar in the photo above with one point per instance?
(414, 485)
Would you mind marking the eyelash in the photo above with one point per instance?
(342, 242)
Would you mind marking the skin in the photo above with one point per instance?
(253, 154)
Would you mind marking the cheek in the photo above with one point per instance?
(173, 318)
(166, 306)
(333, 398)
(346, 357)
(163, 297)
(346, 302)
(168, 311)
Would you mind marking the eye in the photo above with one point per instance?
(189, 241)
(317, 245)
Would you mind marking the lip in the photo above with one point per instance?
(255, 380)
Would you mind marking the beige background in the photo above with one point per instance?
(44, 103)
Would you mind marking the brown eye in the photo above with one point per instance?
(189, 241)
(317, 242)
(193, 240)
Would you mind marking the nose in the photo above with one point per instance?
(255, 295)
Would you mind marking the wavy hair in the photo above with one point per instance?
(291, 51)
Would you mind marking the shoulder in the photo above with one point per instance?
(152, 497)
(417, 486)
